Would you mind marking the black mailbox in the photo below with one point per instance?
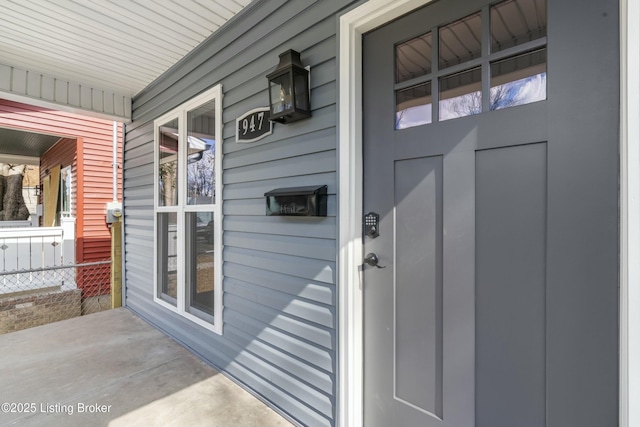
(297, 201)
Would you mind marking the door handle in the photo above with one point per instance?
(372, 260)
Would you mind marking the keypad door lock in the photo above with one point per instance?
(372, 225)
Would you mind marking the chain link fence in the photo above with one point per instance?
(36, 297)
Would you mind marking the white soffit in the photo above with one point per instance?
(115, 45)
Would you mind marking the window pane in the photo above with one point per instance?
(65, 191)
(413, 106)
(460, 41)
(413, 58)
(167, 256)
(201, 155)
(514, 22)
(460, 94)
(200, 280)
(168, 164)
(519, 80)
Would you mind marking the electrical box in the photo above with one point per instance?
(114, 212)
(297, 201)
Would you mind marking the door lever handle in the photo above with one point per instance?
(372, 260)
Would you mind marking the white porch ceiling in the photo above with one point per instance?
(117, 46)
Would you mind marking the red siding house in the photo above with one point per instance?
(85, 149)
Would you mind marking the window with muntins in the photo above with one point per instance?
(491, 59)
(188, 210)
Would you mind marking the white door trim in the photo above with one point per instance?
(377, 12)
(629, 213)
(352, 25)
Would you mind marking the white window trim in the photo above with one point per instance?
(180, 113)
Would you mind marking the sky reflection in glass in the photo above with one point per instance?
(510, 94)
(519, 92)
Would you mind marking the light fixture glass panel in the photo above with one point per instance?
(200, 260)
(201, 155)
(167, 256)
(460, 94)
(514, 22)
(301, 88)
(519, 80)
(460, 41)
(413, 58)
(168, 164)
(281, 98)
(413, 106)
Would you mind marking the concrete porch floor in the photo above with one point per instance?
(113, 369)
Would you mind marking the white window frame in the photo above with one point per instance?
(180, 113)
(69, 171)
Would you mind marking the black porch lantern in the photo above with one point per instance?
(289, 90)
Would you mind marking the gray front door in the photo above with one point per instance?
(470, 313)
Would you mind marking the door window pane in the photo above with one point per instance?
(168, 164)
(460, 41)
(519, 80)
(167, 257)
(413, 58)
(460, 94)
(201, 155)
(413, 106)
(514, 22)
(200, 271)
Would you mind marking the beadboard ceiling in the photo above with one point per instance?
(21, 143)
(116, 45)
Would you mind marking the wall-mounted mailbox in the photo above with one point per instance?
(297, 201)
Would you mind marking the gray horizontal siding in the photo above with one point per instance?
(306, 268)
(312, 355)
(305, 227)
(302, 165)
(320, 379)
(321, 249)
(318, 320)
(256, 189)
(245, 155)
(280, 296)
(304, 288)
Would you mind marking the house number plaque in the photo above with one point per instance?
(253, 125)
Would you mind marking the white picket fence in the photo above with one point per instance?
(27, 251)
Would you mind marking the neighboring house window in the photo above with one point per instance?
(188, 209)
(57, 194)
(65, 192)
